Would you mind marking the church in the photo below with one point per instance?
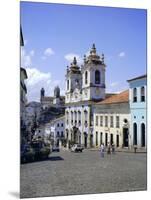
(57, 100)
(85, 87)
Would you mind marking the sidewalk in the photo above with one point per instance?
(126, 150)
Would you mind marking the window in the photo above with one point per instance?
(58, 134)
(97, 77)
(142, 94)
(96, 123)
(86, 77)
(111, 121)
(135, 134)
(134, 95)
(117, 121)
(67, 84)
(143, 135)
(101, 120)
(61, 133)
(62, 124)
(57, 125)
(106, 121)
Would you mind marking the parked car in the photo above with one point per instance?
(77, 148)
(55, 148)
(27, 154)
(36, 150)
(41, 150)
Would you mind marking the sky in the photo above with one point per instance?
(55, 33)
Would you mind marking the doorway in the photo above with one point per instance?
(143, 134)
(125, 137)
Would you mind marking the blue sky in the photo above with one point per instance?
(53, 33)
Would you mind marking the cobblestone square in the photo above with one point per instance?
(67, 173)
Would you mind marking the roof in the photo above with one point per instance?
(138, 77)
(45, 98)
(118, 98)
(61, 117)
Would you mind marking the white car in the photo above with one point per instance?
(77, 148)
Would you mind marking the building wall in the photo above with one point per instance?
(120, 110)
(57, 129)
(138, 111)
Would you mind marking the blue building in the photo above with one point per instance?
(137, 99)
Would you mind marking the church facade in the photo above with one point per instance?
(85, 86)
(49, 101)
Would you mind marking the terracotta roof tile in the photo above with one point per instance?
(118, 98)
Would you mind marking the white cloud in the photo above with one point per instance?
(35, 76)
(69, 57)
(48, 52)
(114, 84)
(122, 54)
(38, 79)
(26, 58)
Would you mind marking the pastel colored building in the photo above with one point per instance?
(112, 121)
(137, 99)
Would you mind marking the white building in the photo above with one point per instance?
(112, 121)
(57, 130)
(84, 87)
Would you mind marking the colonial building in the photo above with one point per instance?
(23, 99)
(112, 121)
(49, 101)
(57, 130)
(84, 87)
(137, 99)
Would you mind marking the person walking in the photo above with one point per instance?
(113, 148)
(102, 150)
(108, 148)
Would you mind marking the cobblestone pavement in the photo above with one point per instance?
(69, 173)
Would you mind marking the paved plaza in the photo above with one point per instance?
(67, 173)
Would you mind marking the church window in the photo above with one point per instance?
(142, 94)
(97, 77)
(134, 95)
(86, 77)
(67, 84)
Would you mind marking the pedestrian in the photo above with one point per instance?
(102, 150)
(108, 148)
(113, 148)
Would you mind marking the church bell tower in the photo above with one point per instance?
(93, 76)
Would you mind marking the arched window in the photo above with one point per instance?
(97, 77)
(142, 94)
(143, 135)
(135, 134)
(134, 95)
(86, 77)
(67, 84)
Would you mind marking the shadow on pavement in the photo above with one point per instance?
(55, 158)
